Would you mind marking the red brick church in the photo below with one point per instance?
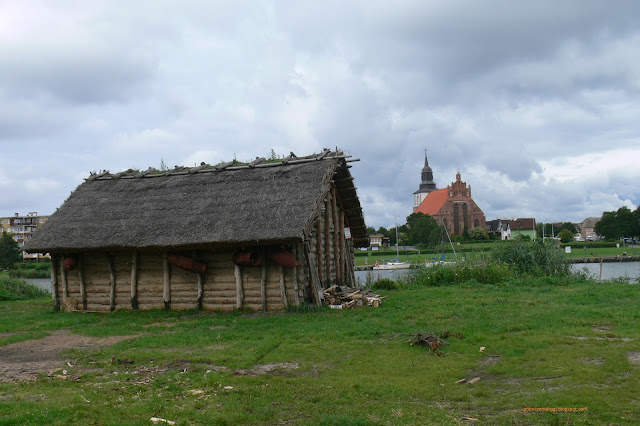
(452, 206)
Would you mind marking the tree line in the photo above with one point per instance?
(621, 223)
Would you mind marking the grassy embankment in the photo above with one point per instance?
(482, 251)
(549, 342)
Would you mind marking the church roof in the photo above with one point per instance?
(434, 202)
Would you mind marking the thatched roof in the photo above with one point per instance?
(260, 202)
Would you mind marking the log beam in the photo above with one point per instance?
(239, 290)
(83, 294)
(65, 281)
(54, 282)
(283, 288)
(112, 290)
(134, 280)
(296, 290)
(263, 282)
(166, 281)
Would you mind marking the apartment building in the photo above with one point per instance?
(22, 229)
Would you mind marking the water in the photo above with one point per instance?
(43, 283)
(613, 270)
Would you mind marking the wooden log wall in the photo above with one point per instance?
(331, 254)
(102, 281)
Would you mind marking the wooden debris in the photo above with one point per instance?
(474, 380)
(425, 339)
(342, 297)
(461, 381)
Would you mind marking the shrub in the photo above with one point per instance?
(385, 284)
(540, 258)
(17, 289)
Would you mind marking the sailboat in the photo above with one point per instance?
(442, 260)
(393, 263)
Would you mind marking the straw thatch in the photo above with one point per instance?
(197, 207)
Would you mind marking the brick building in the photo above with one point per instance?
(453, 207)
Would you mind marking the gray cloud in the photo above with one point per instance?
(513, 95)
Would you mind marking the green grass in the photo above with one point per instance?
(18, 289)
(546, 346)
(482, 251)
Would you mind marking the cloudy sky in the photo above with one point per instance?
(535, 103)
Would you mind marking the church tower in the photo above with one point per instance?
(427, 184)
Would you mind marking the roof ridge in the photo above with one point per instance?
(259, 162)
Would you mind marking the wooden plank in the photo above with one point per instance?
(263, 282)
(83, 294)
(239, 292)
(166, 281)
(134, 280)
(343, 254)
(283, 290)
(65, 281)
(54, 283)
(336, 252)
(316, 287)
(112, 293)
(200, 279)
(319, 250)
(327, 242)
(296, 290)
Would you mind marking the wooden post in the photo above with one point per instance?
(296, 290)
(316, 286)
(166, 278)
(112, 292)
(343, 252)
(319, 250)
(65, 282)
(336, 253)
(283, 289)
(200, 279)
(327, 243)
(263, 282)
(83, 294)
(239, 290)
(134, 280)
(54, 282)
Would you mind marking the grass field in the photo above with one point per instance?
(480, 251)
(546, 347)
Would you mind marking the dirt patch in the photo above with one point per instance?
(24, 360)
(489, 360)
(593, 361)
(633, 357)
(276, 369)
(603, 328)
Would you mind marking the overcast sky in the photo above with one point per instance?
(535, 103)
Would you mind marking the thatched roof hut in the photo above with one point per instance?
(307, 206)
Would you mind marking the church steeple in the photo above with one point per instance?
(427, 184)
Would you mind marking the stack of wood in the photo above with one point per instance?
(342, 297)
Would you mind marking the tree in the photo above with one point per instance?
(566, 236)
(618, 224)
(423, 229)
(10, 252)
(478, 234)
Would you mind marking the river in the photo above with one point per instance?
(613, 270)
(628, 270)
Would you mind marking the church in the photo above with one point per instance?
(452, 206)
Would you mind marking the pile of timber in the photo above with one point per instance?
(342, 297)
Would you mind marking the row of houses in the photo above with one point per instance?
(21, 228)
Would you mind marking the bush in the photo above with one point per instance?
(385, 284)
(17, 289)
(540, 258)
(446, 274)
